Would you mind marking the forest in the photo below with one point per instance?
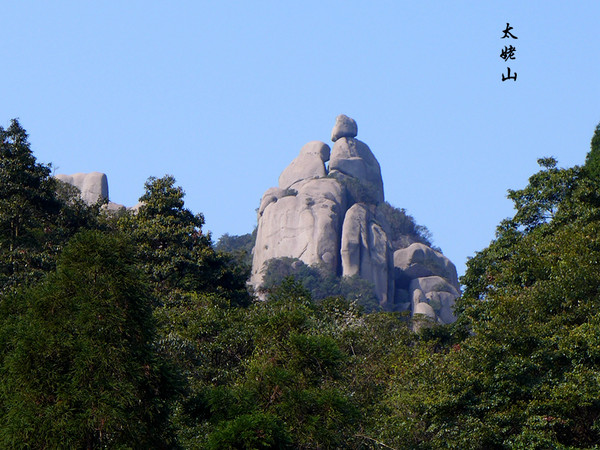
(135, 330)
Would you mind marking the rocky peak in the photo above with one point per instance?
(329, 217)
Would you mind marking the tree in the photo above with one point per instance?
(77, 364)
(27, 200)
(38, 214)
(519, 369)
(292, 377)
(319, 282)
(403, 227)
(239, 246)
(526, 374)
(173, 250)
(592, 160)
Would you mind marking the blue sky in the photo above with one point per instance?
(223, 95)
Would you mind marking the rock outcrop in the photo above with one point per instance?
(310, 163)
(344, 127)
(302, 222)
(328, 216)
(366, 251)
(93, 187)
(419, 260)
(353, 158)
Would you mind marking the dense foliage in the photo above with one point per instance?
(174, 252)
(523, 371)
(592, 161)
(240, 247)
(77, 365)
(403, 228)
(320, 283)
(134, 331)
(38, 214)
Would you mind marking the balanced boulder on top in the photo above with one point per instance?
(344, 127)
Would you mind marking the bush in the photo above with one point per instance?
(250, 431)
(320, 283)
(403, 227)
(359, 191)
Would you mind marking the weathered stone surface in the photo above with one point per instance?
(401, 296)
(271, 195)
(93, 186)
(310, 163)
(402, 307)
(306, 226)
(344, 127)
(443, 304)
(438, 293)
(366, 251)
(418, 271)
(425, 309)
(352, 157)
(432, 284)
(418, 260)
(114, 207)
(417, 296)
(117, 208)
(329, 216)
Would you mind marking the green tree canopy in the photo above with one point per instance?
(38, 214)
(27, 201)
(319, 282)
(526, 374)
(592, 160)
(77, 365)
(239, 246)
(174, 252)
(403, 227)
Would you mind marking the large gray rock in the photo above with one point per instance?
(432, 284)
(328, 216)
(93, 186)
(354, 158)
(418, 260)
(114, 208)
(425, 310)
(310, 163)
(366, 251)
(443, 304)
(304, 223)
(271, 195)
(344, 127)
(438, 293)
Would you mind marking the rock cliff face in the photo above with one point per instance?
(328, 216)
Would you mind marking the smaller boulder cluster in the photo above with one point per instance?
(427, 282)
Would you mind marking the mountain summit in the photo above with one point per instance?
(328, 210)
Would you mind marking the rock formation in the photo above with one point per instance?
(366, 251)
(328, 216)
(93, 187)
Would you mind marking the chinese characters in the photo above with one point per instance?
(508, 52)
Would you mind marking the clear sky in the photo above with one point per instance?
(223, 95)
